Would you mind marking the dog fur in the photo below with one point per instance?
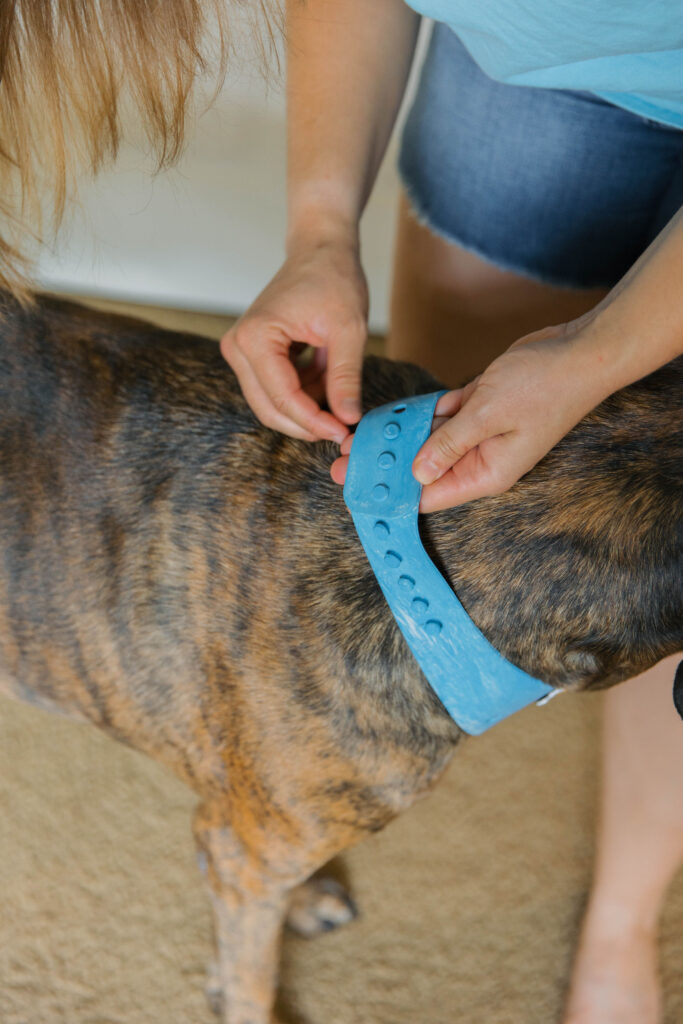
(190, 582)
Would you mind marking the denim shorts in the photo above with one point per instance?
(555, 185)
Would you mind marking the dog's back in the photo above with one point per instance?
(162, 549)
(192, 583)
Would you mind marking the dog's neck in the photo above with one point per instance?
(572, 574)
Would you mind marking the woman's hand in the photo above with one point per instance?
(490, 433)
(347, 65)
(499, 426)
(318, 298)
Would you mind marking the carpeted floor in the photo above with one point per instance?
(469, 903)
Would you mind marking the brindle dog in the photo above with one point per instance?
(191, 582)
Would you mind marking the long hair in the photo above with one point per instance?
(69, 67)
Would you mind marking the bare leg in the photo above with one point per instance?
(640, 846)
(453, 313)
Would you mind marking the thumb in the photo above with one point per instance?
(446, 446)
(344, 375)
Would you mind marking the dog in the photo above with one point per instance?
(191, 583)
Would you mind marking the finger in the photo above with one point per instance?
(449, 403)
(476, 475)
(345, 446)
(447, 407)
(282, 387)
(463, 482)
(258, 401)
(338, 469)
(339, 466)
(344, 373)
(449, 443)
(439, 421)
(471, 478)
(269, 361)
(485, 470)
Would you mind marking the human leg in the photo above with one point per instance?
(517, 195)
(453, 313)
(521, 208)
(639, 848)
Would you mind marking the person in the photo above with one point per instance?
(539, 252)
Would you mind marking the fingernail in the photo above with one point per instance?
(425, 472)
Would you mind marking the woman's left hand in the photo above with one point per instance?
(493, 431)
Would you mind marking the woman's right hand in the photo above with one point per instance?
(347, 65)
(318, 298)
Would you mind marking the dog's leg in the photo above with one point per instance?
(250, 899)
(249, 911)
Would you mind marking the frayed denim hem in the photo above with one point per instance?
(422, 215)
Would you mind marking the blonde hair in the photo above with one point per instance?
(67, 67)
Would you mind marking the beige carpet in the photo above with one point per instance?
(470, 902)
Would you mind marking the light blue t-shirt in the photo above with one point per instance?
(629, 52)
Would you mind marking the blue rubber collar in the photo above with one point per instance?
(475, 683)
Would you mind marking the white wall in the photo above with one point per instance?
(207, 234)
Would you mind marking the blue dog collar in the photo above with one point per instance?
(475, 683)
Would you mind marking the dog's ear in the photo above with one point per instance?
(678, 689)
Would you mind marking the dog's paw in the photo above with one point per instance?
(318, 906)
